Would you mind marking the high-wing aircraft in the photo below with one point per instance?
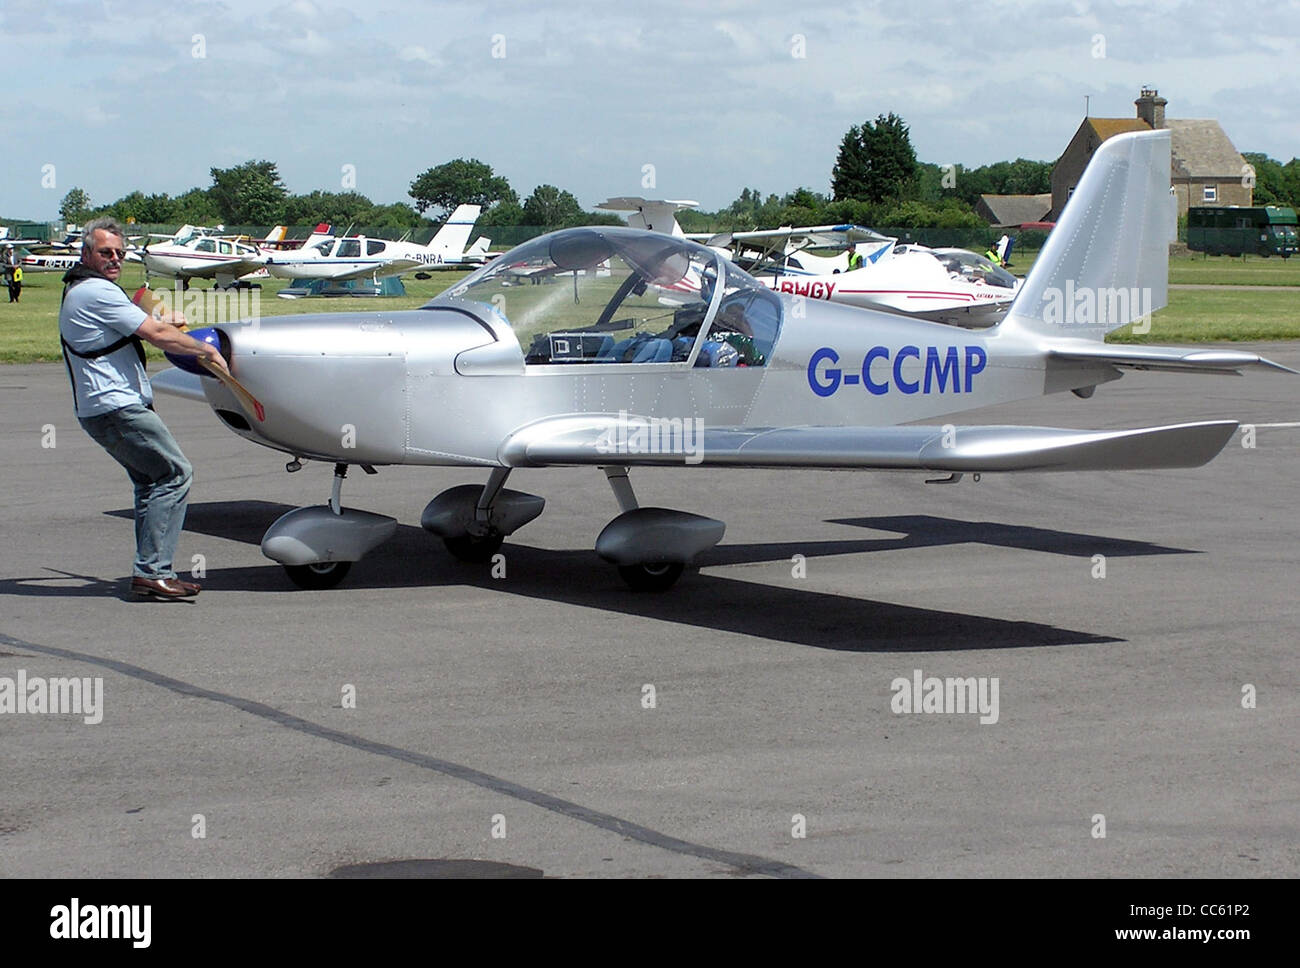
(357, 257)
(12, 240)
(784, 251)
(192, 253)
(951, 286)
(35, 255)
(657, 215)
(653, 350)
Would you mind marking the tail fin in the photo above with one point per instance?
(451, 238)
(319, 234)
(1106, 263)
(277, 234)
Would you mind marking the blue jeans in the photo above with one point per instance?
(136, 438)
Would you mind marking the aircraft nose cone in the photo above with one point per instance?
(190, 364)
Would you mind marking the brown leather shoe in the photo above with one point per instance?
(192, 587)
(163, 587)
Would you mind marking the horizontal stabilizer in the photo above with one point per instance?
(614, 439)
(1163, 357)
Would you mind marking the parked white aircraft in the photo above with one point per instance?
(193, 253)
(952, 286)
(50, 261)
(35, 255)
(358, 257)
(787, 249)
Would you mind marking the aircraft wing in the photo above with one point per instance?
(816, 236)
(398, 267)
(381, 269)
(342, 274)
(233, 268)
(614, 439)
(177, 383)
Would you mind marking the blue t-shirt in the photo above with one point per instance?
(96, 314)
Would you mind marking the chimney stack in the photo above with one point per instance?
(1151, 107)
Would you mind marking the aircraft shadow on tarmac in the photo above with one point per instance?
(778, 612)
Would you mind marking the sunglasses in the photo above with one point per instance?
(118, 254)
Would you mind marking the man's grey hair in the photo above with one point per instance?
(107, 223)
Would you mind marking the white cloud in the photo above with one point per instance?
(588, 92)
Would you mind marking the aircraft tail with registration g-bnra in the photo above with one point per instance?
(1106, 265)
(449, 242)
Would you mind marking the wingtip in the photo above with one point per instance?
(1278, 366)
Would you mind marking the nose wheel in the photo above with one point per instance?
(325, 574)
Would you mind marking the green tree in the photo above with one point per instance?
(139, 207)
(398, 215)
(196, 207)
(876, 161)
(75, 206)
(852, 169)
(1291, 173)
(340, 209)
(551, 207)
(503, 213)
(249, 194)
(465, 181)
(1271, 182)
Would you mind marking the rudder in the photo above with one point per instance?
(1106, 263)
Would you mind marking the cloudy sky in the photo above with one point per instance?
(117, 95)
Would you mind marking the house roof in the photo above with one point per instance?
(1009, 210)
(1201, 149)
(1109, 127)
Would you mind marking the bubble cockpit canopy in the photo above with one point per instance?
(964, 266)
(621, 295)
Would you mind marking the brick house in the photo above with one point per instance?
(1206, 169)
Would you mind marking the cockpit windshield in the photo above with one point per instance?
(966, 266)
(619, 295)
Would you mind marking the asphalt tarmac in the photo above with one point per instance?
(426, 718)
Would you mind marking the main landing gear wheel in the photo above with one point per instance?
(325, 574)
(474, 548)
(654, 576)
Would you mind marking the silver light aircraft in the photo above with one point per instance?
(632, 348)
